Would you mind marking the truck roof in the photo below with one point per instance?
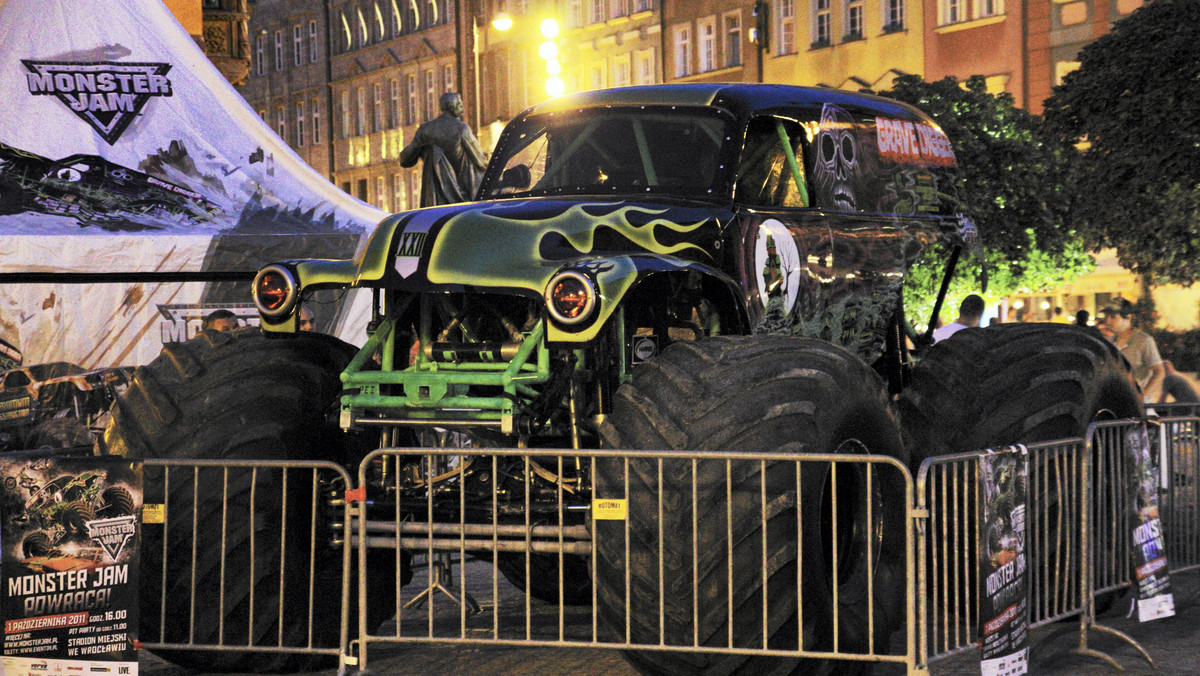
(738, 98)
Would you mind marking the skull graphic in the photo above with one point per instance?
(838, 165)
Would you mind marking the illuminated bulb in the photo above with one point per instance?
(549, 29)
(555, 86)
(548, 51)
(502, 22)
(553, 67)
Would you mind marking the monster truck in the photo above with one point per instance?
(93, 190)
(697, 267)
(61, 508)
(56, 404)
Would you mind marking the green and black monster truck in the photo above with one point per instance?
(697, 267)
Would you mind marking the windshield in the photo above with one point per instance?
(615, 150)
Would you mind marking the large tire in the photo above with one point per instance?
(241, 395)
(1018, 384)
(752, 394)
(115, 501)
(1014, 384)
(543, 576)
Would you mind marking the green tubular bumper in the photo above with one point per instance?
(433, 392)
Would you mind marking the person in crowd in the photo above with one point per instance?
(219, 320)
(1082, 317)
(970, 313)
(1060, 317)
(1176, 386)
(1137, 346)
(306, 319)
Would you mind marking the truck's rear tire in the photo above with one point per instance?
(752, 394)
(1014, 384)
(241, 395)
(1019, 384)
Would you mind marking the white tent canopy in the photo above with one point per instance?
(124, 150)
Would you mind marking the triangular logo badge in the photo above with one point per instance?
(105, 94)
(112, 534)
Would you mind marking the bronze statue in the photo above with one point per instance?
(452, 161)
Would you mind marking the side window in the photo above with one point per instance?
(771, 169)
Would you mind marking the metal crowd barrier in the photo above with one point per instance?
(215, 566)
(478, 581)
(475, 605)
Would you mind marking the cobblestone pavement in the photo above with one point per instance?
(1174, 643)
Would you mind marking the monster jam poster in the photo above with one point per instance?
(69, 555)
(1149, 554)
(1004, 597)
(124, 150)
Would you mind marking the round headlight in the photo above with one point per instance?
(275, 291)
(571, 297)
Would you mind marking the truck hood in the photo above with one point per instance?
(518, 245)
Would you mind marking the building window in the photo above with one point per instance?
(297, 46)
(893, 15)
(597, 11)
(732, 28)
(785, 27)
(448, 77)
(621, 72)
(377, 107)
(346, 114)
(620, 8)
(707, 30)
(643, 67)
(410, 111)
(575, 13)
(641, 5)
(314, 42)
(397, 192)
(597, 75)
(986, 8)
(316, 121)
(683, 51)
(394, 116)
(822, 23)
(347, 36)
(278, 50)
(281, 122)
(381, 197)
(952, 11)
(430, 95)
(854, 19)
(364, 33)
(300, 124)
(260, 53)
(360, 110)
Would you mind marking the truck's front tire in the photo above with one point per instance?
(240, 396)
(752, 394)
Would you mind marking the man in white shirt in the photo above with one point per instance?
(969, 314)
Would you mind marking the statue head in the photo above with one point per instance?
(452, 104)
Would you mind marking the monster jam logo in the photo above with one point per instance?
(112, 534)
(104, 94)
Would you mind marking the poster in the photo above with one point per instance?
(69, 560)
(1004, 597)
(1149, 553)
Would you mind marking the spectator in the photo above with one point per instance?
(970, 312)
(1060, 317)
(1081, 318)
(219, 320)
(1176, 386)
(306, 319)
(1137, 346)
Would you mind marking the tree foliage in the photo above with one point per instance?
(1017, 177)
(1135, 100)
